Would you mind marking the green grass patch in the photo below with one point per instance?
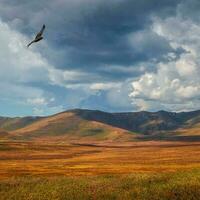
(97, 133)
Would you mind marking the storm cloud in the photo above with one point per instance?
(97, 51)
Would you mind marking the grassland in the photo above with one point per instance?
(180, 185)
(101, 170)
(45, 158)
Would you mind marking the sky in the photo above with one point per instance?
(110, 55)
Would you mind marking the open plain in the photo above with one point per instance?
(52, 159)
(133, 170)
(83, 155)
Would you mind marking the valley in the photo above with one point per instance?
(91, 150)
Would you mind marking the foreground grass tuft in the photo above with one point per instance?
(181, 185)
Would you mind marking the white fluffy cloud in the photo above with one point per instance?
(24, 71)
(19, 64)
(20, 68)
(89, 62)
(176, 84)
(104, 86)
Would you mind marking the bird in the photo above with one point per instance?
(38, 36)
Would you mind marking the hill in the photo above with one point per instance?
(147, 123)
(10, 124)
(79, 124)
(70, 126)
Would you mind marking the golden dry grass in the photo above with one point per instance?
(101, 170)
(66, 157)
(50, 159)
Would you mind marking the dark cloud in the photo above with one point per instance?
(93, 34)
(107, 41)
(189, 9)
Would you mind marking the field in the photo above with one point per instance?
(179, 185)
(132, 170)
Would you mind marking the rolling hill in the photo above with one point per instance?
(10, 124)
(80, 124)
(69, 126)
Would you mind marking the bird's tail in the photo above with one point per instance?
(30, 44)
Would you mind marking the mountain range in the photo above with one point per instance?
(94, 125)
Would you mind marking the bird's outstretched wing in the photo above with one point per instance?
(40, 33)
(42, 30)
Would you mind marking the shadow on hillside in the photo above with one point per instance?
(194, 138)
(144, 123)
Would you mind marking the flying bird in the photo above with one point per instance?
(38, 36)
